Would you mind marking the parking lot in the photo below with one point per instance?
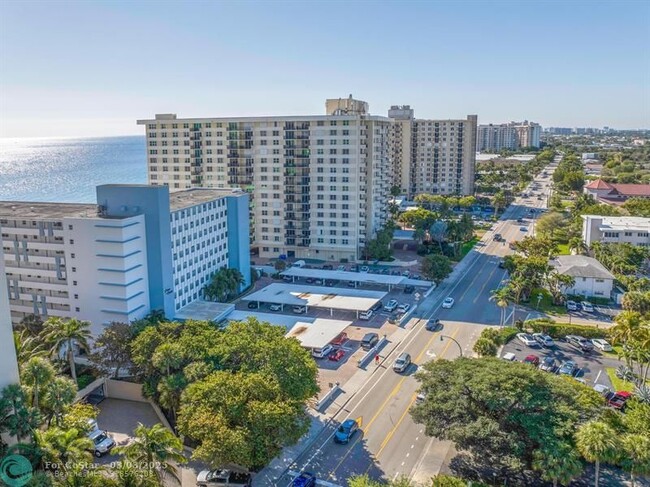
(591, 367)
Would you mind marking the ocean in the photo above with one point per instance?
(68, 169)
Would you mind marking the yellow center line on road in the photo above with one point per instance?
(383, 406)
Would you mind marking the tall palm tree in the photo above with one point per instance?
(557, 462)
(36, 373)
(170, 389)
(16, 417)
(596, 443)
(64, 447)
(154, 446)
(637, 455)
(27, 346)
(501, 297)
(577, 245)
(59, 394)
(59, 333)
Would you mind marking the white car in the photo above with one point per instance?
(602, 344)
(365, 315)
(391, 305)
(299, 310)
(403, 308)
(543, 340)
(103, 443)
(510, 357)
(587, 307)
(448, 303)
(322, 352)
(275, 307)
(572, 305)
(341, 268)
(364, 268)
(526, 339)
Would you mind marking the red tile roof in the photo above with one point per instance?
(631, 190)
(599, 184)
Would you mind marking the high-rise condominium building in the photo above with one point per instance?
(138, 249)
(432, 156)
(319, 185)
(512, 135)
(8, 363)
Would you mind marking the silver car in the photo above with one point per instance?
(402, 362)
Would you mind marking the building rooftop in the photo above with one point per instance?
(318, 333)
(279, 118)
(179, 200)
(581, 266)
(621, 222)
(46, 211)
(629, 190)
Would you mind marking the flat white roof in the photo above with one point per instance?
(204, 310)
(353, 276)
(637, 223)
(287, 321)
(318, 333)
(317, 296)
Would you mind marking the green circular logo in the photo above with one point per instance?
(15, 470)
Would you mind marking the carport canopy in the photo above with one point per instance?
(365, 277)
(317, 334)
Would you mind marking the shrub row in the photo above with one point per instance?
(560, 330)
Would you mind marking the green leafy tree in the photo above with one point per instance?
(110, 352)
(557, 285)
(540, 247)
(156, 449)
(64, 447)
(636, 301)
(558, 463)
(501, 298)
(32, 324)
(16, 417)
(485, 347)
(37, 373)
(499, 202)
(596, 442)
(58, 395)
(65, 334)
(436, 267)
(636, 455)
(638, 207)
(549, 224)
(225, 283)
(27, 346)
(170, 389)
(78, 415)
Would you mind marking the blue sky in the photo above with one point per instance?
(93, 68)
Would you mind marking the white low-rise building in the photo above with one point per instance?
(592, 279)
(616, 229)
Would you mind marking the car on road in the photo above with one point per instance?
(580, 343)
(377, 306)
(404, 307)
(364, 268)
(322, 352)
(433, 325)
(336, 355)
(448, 303)
(419, 399)
(509, 356)
(409, 289)
(346, 431)
(617, 400)
(548, 364)
(391, 305)
(369, 340)
(544, 340)
(102, 442)
(571, 305)
(526, 339)
(587, 307)
(520, 220)
(502, 264)
(275, 307)
(523, 229)
(532, 360)
(299, 310)
(305, 479)
(253, 305)
(567, 368)
(222, 478)
(601, 344)
(498, 237)
(365, 315)
(402, 363)
(339, 340)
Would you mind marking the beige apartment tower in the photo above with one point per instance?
(319, 185)
(432, 156)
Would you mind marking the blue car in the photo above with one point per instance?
(305, 479)
(346, 431)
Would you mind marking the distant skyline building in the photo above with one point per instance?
(139, 249)
(432, 156)
(512, 136)
(319, 185)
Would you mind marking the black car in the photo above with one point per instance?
(433, 325)
(502, 264)
(253, 305)
(409, 289)
(369, 340)
(377, 306)
(328, 267)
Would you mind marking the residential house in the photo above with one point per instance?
(592, 279)
(615, 193)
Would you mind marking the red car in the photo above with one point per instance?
(618, 400)
(336, 355)
(339, 340)
(532, 359)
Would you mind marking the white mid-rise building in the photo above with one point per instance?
(319, 185)
(8, 363)
(512, 136)
(616, 229)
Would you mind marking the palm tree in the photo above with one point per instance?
(59, 394)
(36, 373)
(167, 356)
(154, 446)
(129, 475)
(170, 389)
(64, 447)
(59, 333)
(557, 284)
(16, 417)
(557, 462)
(627, 325)
(577, 245)
(27, 346)
(502, 299)
(637, 455)
(596, 443)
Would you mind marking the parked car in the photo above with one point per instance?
(346, 431)
(299, 309)
(406, 273)
(580, 343)
(253, 305)
(365, 315)
(448, 303)
(523, 229)
(102, 442)
(409, 289)
(377, 306)
(369, 340)
(433, 325)
(340, 339)
(498, 237)
(309, 280)
(322, 352)
(601, 344)
(391, 305)
(419, 399)
(331, 282)
(402, 363)
(509, 356)
(328, 267)
(567, 368)
(364, 268)
(287, 278)
(571, 305)
(222, 478)
(548, 364)
(502, 264)
(354, 268)
(587, 307)
(336, 355)
(532, 360)
(544, 340)
(520, 220)
(602, 389)
(305, 479)
(341, 268)
(352, 283)
(275, 307)
(526, 339)
(318, 282)
(404, 307)
(617, 400)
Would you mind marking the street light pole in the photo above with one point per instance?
(539, 299)
(460, 349)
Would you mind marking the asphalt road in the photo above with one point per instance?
(389, 443)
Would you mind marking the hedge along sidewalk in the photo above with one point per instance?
(560, 330)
